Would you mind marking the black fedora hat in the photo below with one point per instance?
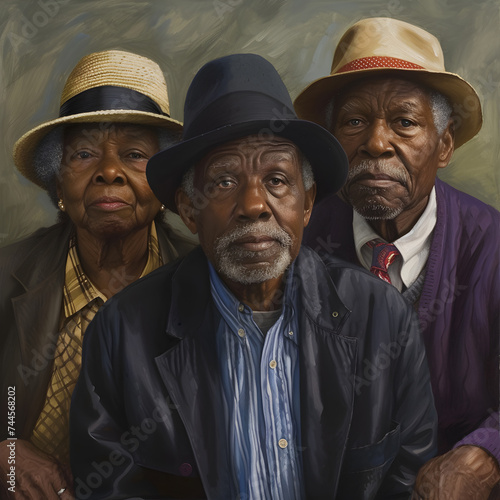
(236, 96)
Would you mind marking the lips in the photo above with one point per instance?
(376, 180)
(255, 243)
(109, 203)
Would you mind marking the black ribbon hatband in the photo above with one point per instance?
(109, 98)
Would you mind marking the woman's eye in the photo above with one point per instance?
(136, 155)
(82, 155)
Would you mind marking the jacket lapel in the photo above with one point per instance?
(327, 377)
(37, 312)
(191, 374)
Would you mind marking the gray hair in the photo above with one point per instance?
(441, 111)
(440, 107)
(187, 183)
(48, 156)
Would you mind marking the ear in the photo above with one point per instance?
(186, 210)
(310, 196)
(446, 145)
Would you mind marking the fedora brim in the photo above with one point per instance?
(25, 147)
(326, 156)
(311, 103)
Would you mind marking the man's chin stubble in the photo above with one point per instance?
(378, 212)
(230, 266)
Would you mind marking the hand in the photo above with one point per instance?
(465, 473)
(37, 475)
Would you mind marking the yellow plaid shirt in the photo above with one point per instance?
(81, 301)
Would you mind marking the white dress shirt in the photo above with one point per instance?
(413, 246)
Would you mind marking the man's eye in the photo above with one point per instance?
(406, 123)
(354, 122)
(276, 181)
(225, 183)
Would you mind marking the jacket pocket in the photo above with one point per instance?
(364, 468)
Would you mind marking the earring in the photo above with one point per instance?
(163, 208)
(60, 204)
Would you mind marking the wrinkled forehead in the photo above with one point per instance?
(106, 130)
(392, 86)
(252, 147)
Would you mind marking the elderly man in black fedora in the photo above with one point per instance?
(252, 368)
(399, 115)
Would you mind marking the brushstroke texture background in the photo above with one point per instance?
(41, 41)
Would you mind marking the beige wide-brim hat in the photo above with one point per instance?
(108, 86)
(383, 45)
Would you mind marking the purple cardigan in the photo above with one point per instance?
(458, 310)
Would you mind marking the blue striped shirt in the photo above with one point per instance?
(260, 377)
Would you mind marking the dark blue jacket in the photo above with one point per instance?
(147, 416)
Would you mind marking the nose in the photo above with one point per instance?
(252, 203)
(377, 142)
(109, 171)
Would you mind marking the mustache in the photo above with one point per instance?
(381, 167)
(261, 228)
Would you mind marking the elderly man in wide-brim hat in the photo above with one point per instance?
(253, 368)
(92, 162)
(399, 114)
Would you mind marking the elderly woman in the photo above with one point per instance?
(92, 161)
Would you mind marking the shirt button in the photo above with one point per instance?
(283, 443)
(335, 314)
(290, 333)
(272, 364)
(241, 332)
(241, 308)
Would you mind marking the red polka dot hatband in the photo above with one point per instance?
(379, 46)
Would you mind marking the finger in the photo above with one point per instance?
(50, 483)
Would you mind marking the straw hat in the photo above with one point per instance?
(377, 45)
(108, 86)
(237, 96)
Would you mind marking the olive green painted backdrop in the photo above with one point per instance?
(41, 41)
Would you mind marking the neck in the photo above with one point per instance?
(113, 263)
(392, 229)
(265, 296)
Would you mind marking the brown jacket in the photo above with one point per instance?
(31, 284)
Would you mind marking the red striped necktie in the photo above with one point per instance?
(384, 254)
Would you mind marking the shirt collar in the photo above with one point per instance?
(409, 244)
(79, 291)
(412, 244)
(230, 306)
